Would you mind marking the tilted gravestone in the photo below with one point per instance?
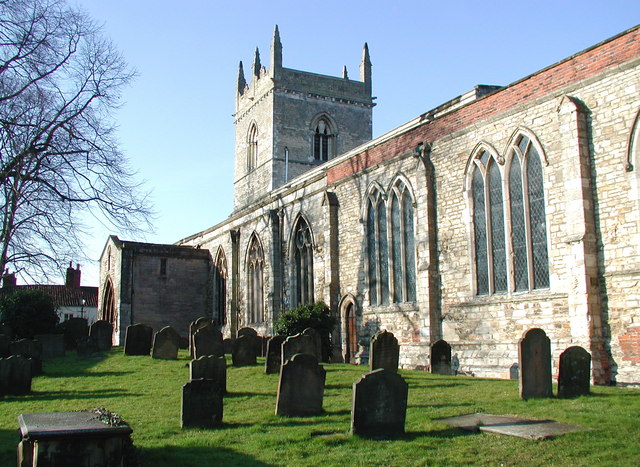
(137, 340)
(441, 358)
(534, 355)
(379, 405)
(15, 375)
(52, 345)
(210, 367)
(202, 404)
(101, 331)
(207, 341)
(193, 328)
(574, 374)
(244, 351)
(165, 344)
(301, 387)
(31, 349)
(74, 329)
(385, 351)
(274, 355)
(300, 343)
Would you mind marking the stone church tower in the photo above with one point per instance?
(289, 121)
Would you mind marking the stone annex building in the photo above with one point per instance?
(504, 209)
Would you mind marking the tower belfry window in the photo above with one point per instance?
(323, 141)
(252, 147)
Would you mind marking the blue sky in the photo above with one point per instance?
(175, 125)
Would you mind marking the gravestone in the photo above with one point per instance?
(210, 367)
(207, 341)
(534, 356)
(440, 358)
(15, 375)
(299, 343)
(253, 335)
(193, 328)
(274, 355)
(574, 374)
(379, 405)
(202, 404)
(52, 345)
(4, 346)
(137, 339)
(165, 344)
(385, 351)
(317, 339)
(31, 349)
(247, 332)
(244, 351)
(101, 331)
(74, 329)
(86, 346)
(301, 387)
(227, 344)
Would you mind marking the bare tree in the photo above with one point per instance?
(60, 81)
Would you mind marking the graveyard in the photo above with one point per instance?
(147, 392)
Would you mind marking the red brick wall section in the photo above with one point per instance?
(630, 345)
(591, 62)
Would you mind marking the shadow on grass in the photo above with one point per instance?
(195, 456)
(441, 434)
(66, 374)
(9, 440)
(70, 395)
(232, 394)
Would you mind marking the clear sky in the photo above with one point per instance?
(176, 126)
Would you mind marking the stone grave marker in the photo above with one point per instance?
(274, 355)
(385, 351)
(193, 327)
(244, 351)
(534, 355)
(52, 345)
(207, 341)
(137, 339)
(210, 367)
(253, 335)
(101, 331)
(15, 375)
(202, 404)
(299, 343)
(301, 387)
(317, 339)
(227, 344)
(74, 329)
(247, 332)
(31, 349)
(379, 405)
(86, 346)
(441, 358)
(574, 374)
(165, 344)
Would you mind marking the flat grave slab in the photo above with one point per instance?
(512, 426)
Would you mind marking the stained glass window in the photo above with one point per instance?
(255, 291)
(303, 263)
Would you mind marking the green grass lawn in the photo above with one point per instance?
(147, 394)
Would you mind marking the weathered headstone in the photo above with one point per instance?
(574, 374)
(165, 344)
(31, 349)
(534, 355)
(137, 339)
(253, 335)
(15, 375)
(379, 405)
(86, 346)
(441, 358)
(101, 331)
(247, 332)
(317, 339)
(193, 327)
(52, 345)
(202, 404)
(74, 329)
(244, 351)
(514, 371)
(227, 344)
(210, 367)
(301, 387)
(385, 351)
(300, 343)
(207, 341)
(274, 355)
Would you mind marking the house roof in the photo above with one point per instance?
(63, 295)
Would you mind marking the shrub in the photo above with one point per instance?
(28, 312)
(312, 315)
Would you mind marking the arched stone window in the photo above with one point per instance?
(323, 140)
(252, 147)
(403, 246)
(255, 288)
(302, 256)
(377, 248)
(108, 312)
(220, 288)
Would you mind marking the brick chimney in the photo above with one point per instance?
(73, 276)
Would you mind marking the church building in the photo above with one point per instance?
(504, 209)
